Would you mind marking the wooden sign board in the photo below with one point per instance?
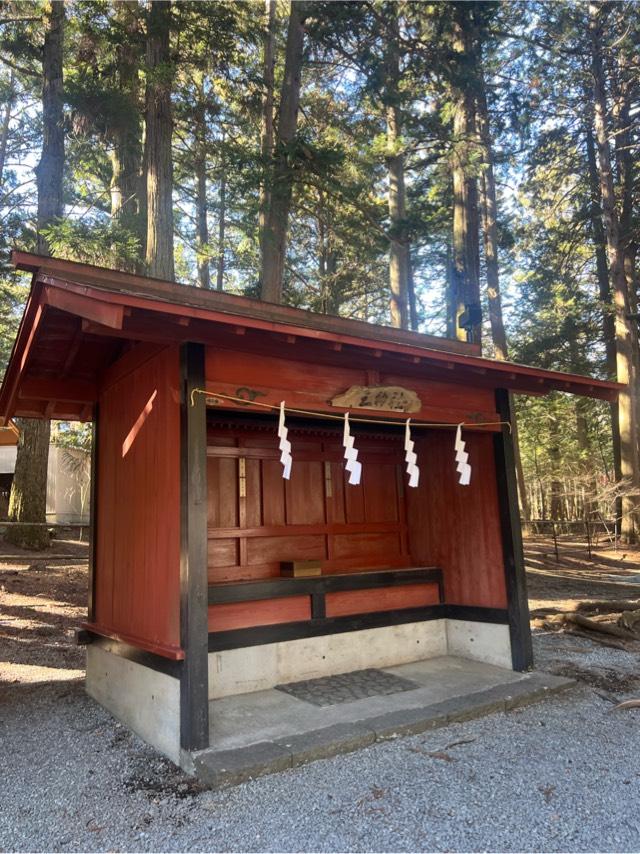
(382, 397)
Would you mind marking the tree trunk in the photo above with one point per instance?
(28, 499)
(266, 135)
(450, 297)
(466, 260)
(159, 127)
(398, 245)
(604, 291)
(411, 293)
(623, 332)
(202, 226)
(277, 220)
(6, 120)
(622, 122)
(489, 207)
(50, 169)
(126, 157)
(222, 221)
(557, 491)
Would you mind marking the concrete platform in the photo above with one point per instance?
(269, 731)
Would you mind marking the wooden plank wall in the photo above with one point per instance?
(311, 385)
(137, 592)
(458, 527)
(313, 516)
(380, 524)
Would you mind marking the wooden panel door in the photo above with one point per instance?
(257, 519)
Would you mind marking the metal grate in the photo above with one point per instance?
(347, 687)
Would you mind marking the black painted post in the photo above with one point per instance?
(194, 679)
(93, 518)
(517, 604)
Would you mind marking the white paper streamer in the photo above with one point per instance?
(351, 454)
(410, 456)
(462, 465)
(285, 445)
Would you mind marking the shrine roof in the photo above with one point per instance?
(80, 318)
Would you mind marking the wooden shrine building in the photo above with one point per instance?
(194, 528)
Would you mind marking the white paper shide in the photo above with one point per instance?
(351, 454)
(410, 456)
(462, 459)
(285, 445)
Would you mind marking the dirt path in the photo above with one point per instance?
(574, 576)
(42, 601)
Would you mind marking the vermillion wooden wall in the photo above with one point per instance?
(382, 523)
(458, 527)
(137, 593)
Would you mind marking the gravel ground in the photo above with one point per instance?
(560, 776)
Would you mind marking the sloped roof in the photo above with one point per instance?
(80, 318)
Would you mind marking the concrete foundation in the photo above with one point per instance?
(258, 668)
(146, 701)
(269, 731)
(446, 658)
(488, 642)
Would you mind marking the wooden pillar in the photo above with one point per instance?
(93, 518)
(517, 604)
(194, 636)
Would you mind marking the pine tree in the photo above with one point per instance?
(27, 502)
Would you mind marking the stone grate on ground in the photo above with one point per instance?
(347, 687)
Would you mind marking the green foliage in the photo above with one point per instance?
(103, 243)
(535, 62)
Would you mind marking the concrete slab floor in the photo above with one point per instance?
(245, 719)
(269, 731)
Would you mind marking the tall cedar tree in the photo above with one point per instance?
(128, 193)
(465, 271)
(274, 240)
(624, 332)
(159, 129)
(28, 499)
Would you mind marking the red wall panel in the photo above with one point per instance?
(137, 592)
(458, 527)
(264, 612)
(381, 599)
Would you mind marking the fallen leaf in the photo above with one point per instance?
(440, 754)
(547, 792)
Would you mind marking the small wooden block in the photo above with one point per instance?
(300, 568)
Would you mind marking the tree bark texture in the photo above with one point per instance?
(604, 288)
(266, 133)
(126, 160)
(159, 128)
(621, 76)
(50, 168)
(489, 209)
(28, 499)
(222, 222)
(466, 258)
(397, 200)
(202, 225)
(281, 190)
(623, 333)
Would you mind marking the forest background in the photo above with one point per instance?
(466, 169)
